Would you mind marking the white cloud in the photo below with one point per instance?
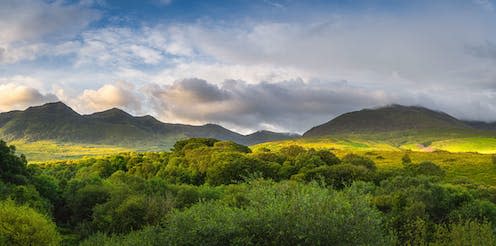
(120, 95)
(25, 20)
(114, 47)
(14, 96)
(27, 24)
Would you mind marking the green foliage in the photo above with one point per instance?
(232, 167)
(465, 233)
(426, 168)
(149, 236)
(208, 192)
(406, 159)
(280, 214)
(13, 168)
(126, 213)
(292, 150)
(357, 160)
(21, 225)
(193, 142)
(232, 146)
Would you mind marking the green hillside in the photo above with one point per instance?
(470, 140)
(58, 123)
(388, 119)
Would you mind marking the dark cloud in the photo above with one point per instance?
(290, 105)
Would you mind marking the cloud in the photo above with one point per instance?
(163, 2)
(26, 20)
(14, 96)
(282, 72)
(28, 26)
(286, 106)
(120, 47)
(120, 95)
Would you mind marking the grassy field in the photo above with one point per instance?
(49, 150)
(465, 159)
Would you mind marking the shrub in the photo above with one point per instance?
(406, 159)
(465, 233)
(232, 167)
(426, 168)
(280, 214)
(21, 225)
(357, 160)
(292, 150)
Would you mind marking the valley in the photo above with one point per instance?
(114, 179)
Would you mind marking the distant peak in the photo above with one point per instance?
(53, 107)
(111, 113)
(54, 104)
(116, 110)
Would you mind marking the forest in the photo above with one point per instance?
(210, 192)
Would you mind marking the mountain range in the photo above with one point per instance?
(57, 121)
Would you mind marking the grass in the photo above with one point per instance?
(40, 151)
(466, 158)
(474, 144)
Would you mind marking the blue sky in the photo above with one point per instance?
(283, 65)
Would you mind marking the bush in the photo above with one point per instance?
(232, 167)
(465, 233)
(179, 145)
(406, 159)
(13, 168)
(21, 225)
(147, 237)
(292, 150)
(357, 160)
(338, 176)
(426, 168)
(280, 214)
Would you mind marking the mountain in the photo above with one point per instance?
(57, 121)
(389, 118)
(481, 125)
(268, 136)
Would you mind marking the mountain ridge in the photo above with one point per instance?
(393, 117)
(57, 121)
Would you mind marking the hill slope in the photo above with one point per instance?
(385, 119)
(58, 122)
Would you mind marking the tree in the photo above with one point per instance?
(465, 233)
(21, 225)
(292, 150)
(232, 167)
(406, 159)
(13, 168)
(286, 213)
(357, 160)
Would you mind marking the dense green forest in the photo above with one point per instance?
(211, 192)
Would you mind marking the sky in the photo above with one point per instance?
(280, 65)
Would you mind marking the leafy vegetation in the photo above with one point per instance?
(211, 192)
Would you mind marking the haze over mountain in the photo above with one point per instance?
(57, 121)
(394, 118)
